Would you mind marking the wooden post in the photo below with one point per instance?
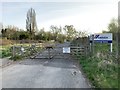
(117, 46)
(49, 53)
(13, 50)
(77, 49)
(92, 44)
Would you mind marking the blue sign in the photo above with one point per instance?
(102, 38)
(102, 41)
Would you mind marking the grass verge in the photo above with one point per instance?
(101, 75)
(102, 68)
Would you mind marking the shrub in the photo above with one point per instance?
(5, 53)
(16, 57)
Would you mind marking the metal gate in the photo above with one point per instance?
(58, 52)
(52, 52)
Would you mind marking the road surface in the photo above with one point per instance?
(59, 72)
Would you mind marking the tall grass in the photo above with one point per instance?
(101, 68)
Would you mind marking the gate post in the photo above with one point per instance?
(49, 53)
(92, 44)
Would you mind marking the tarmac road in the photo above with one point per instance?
(59, 72)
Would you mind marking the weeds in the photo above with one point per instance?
(5, 53)
(104, 76)
(16, 57)
(102, 68)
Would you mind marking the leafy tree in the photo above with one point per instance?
(9, 32)
(113, 26)
(70, 32)
(61, 38)
(14, 33)
(81, 34)
(23, 35)
(55, 31)
(4, 31)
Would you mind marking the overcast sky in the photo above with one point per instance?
(89, 15)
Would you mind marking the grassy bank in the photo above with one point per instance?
(5, 51)
(101, 68)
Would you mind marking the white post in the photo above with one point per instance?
(111, 47)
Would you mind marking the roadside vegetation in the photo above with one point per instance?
(7, 50)
(102, 67)
(15, 37)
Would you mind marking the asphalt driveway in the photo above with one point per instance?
(59, 72)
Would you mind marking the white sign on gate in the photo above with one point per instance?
(66, 49)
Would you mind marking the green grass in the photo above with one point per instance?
(16, 58)
(102, 70)
(5, 50)
(105, 76)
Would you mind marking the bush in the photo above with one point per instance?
(16, 57)
(5, 53)
(101, 75)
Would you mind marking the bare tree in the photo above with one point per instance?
(31, 24)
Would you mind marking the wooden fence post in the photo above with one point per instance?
(92, 44)
(13, 50)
